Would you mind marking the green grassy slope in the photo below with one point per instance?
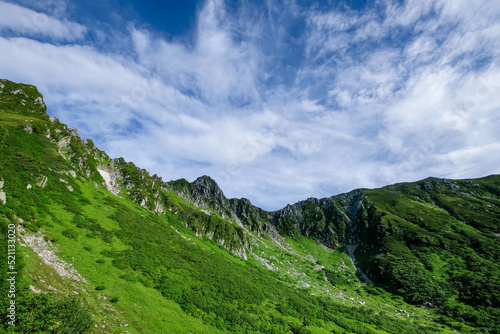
(148, 261)
(439, 244)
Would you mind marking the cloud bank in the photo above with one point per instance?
(278, 101)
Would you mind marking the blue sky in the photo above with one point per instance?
(278, 101)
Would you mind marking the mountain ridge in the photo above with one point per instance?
(433, 242)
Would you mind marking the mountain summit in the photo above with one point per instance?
(102, 246)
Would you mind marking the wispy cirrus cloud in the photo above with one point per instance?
(21, 20)
(279, 102)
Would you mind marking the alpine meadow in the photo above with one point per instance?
(93, 244)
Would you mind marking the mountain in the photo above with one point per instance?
(102, 246)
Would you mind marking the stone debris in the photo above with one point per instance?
(3, 195)
(64, 142)
(18, 91)
(39, 100)
(264, 262)
(188, 239)
(43, 181)
(159, 207)
(35, 290)
(110, 181)
(72, 173)
(351, 249)
(28, 128)
(45, 251)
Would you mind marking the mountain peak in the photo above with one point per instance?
(205, 188)
(432, 243)
(206, 181)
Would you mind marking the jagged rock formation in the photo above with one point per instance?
(433, 242)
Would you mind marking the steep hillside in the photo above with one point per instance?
(102, 246)
(435, 242)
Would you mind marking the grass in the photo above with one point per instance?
(161, 273)
(144, 309)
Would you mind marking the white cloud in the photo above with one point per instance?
(311, 106)
(364, 99)
(407, 13)
(30, 23)
(216, 67)
(79, 72)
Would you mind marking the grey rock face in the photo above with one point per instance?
(207, 194)
(330, 220)
(3, 195)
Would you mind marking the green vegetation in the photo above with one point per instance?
(35, 313)
(151, 261)
(21, 99)
(436, 252)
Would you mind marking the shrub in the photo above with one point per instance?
(71, 234)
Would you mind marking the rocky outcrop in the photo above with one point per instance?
(42, 181)
(3, 196)
(331, 221)
(204, 193)
(109, 180)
